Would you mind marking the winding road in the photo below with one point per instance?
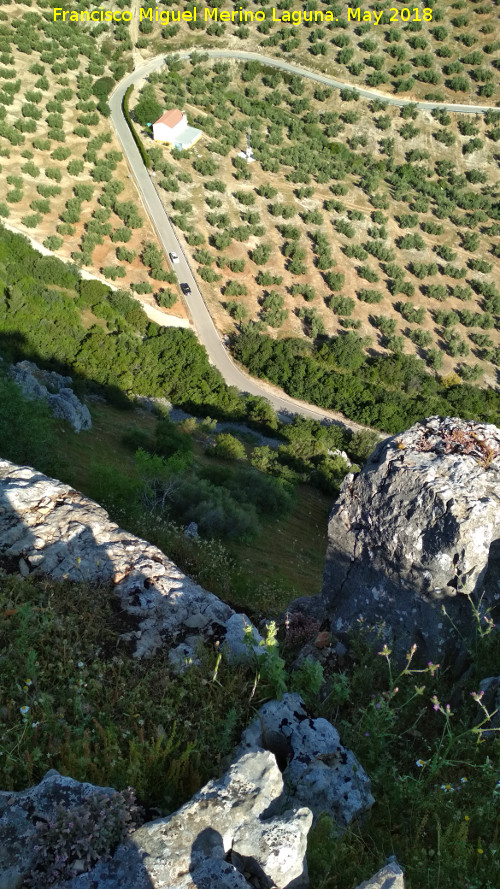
(205, 327)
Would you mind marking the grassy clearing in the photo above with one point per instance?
(259, 577)
(293, 564)
(74, 700)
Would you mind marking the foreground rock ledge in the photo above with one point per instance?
(418, 529)
(220, 839)
(48, 528)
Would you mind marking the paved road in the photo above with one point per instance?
(203, 323)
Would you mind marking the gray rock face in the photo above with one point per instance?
(389, 877)
(220, 839)
(319, 772)
(274, 850)
(418, 527)
(48, 528)
(53, 388)
(205, 826)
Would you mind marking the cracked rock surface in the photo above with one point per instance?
(417, 529)
(221, 839)
(319, 772)
(48, 528)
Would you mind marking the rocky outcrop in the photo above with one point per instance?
(46, 527)
(238, 831)
(221, 838)
(318, 771)
(38, 384)
(389, 877)
(416, 530)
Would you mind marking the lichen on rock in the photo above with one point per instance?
(416, 530)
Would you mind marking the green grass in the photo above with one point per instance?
(434, 775)
(263, 578)
(97, 714)
(288, 555)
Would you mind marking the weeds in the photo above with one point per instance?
(72, 698)
(79, 837)
(433, 773)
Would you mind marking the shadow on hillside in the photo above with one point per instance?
(14, 347)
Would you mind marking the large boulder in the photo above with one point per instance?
(54, 389)
(319, 771)
(417, 533)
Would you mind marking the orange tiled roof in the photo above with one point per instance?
(170, 118)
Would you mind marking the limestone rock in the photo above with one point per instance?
(38, 384)
(48, 528)
(389, 877)
(236, 646)
(205, 826)
(218, 874)
(321, 773)
(191, 531)
(418, 527)
(275, 850)
(190, 848)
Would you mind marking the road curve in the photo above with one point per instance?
(144, 180)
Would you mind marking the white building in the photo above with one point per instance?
(172, 127)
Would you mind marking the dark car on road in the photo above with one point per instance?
(186, 289)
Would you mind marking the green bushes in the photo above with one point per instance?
(138, 141)
(378, 391)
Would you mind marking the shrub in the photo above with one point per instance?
(113, 271)
(125, 255)
(342, 305)
(75, 167)
(82, 836)
(370, 296)
(53, 173)
(166, 298)
(32, 221)
(123, 233)
(53, 242)
(227, 447)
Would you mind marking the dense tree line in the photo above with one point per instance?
(41, 299)
(388, 392)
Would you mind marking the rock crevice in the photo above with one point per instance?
(417, 529)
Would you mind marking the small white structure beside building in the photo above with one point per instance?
(172, 127)
(247, 154)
